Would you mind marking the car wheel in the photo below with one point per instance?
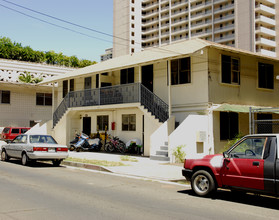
(56, 163)
(202, 183)
(4, 156)
(24, 159)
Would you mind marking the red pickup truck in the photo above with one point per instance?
(250, 165)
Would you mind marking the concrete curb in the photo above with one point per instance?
(86, 166)
(104, 169)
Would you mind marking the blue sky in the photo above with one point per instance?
(94, 14)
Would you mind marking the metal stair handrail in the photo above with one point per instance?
(120, 94)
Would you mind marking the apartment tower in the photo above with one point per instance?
(244, 24)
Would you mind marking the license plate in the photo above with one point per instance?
(51, 150)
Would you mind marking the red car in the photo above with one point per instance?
(252, 164)
(9, 133)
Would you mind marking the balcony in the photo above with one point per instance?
(265, 42)
(201, 6)
(113, 95)
(224, 29)
(224, 39)
(265, 10)
(265, 20)
(265, 31)
(224, 18)
(224, 9)
(201, 15)
(266, 52)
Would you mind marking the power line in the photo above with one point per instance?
(68, 22)
(56, 25)
(80, 26)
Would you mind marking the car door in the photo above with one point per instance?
(245, 166)
(13, 148)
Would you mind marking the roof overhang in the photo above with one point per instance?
(152, 55)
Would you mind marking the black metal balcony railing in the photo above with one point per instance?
(120, 94)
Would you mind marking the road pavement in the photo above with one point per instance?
(42, 191)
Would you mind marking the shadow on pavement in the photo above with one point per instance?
(33, 164)
(242, 198)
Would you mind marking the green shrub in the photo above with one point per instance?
(179, 154)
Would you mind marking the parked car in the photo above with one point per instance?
(9, 133)
(250, 165)
(32, 147)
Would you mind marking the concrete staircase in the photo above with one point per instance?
(162, 154)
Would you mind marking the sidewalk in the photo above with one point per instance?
(144, 167)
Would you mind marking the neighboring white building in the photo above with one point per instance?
(107, 55)
(24, 104)
(246, 24)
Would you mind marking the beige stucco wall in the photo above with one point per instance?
(247, 93)
(22, 108)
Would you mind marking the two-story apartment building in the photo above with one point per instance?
(194, 93)
(24, 104)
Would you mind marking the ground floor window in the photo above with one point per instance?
(5, 97)
(129, 122)
(103, 122)
(43, 99)
(228, 125)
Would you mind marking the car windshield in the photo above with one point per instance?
(42, 139)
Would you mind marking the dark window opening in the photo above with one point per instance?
(87, 83)
(5, 97)
(44, 99)
(65, 88)
(228, 125)
(103, 122)
(264, 123)
(230, 70)
(181, 71)
(127, 76)
(72, 85)
(266, 76)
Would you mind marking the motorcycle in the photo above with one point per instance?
(86, 144)
(73, 142)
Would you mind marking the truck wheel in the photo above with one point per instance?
(202, 183)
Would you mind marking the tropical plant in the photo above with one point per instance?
(179, 154)
(26, 77)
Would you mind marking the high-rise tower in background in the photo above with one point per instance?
(245, 24)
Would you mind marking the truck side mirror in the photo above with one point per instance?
(225, 155)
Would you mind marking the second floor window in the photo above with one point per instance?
(44, 99)
(5, 97)
(266, 76)
(230, 70)
(181, 71)
(65, 88)
(127, 76)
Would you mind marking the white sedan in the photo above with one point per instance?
(32, 147)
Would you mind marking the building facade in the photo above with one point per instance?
(25, 104)
(195, 93)
(249, 24)
(107, 55)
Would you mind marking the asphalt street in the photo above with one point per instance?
(42, 191)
